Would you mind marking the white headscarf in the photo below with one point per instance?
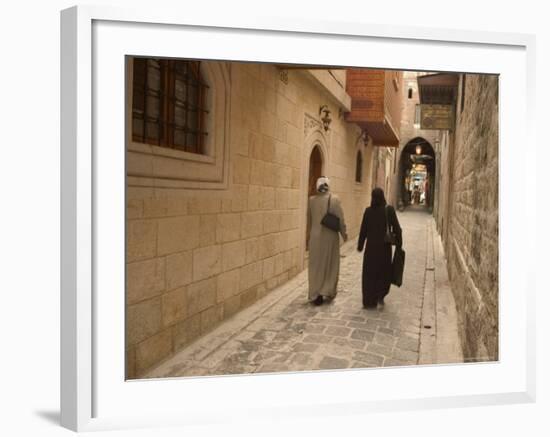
(323, 184)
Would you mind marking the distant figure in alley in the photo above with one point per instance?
(324, 243)
(377, 261)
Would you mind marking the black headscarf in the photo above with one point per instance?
(377, 197)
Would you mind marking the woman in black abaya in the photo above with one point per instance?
(377, 259)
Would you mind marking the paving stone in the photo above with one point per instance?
(353, 318)
(301, 359)
(330, 322)
(368, 358)
(362, 334)
(298, 327)
(315, 328)
(384, 339)
(333, 314)
(352, 344)
(237, 369)
(265, 355)
(285, 335)
(405, 327)
(276, 345)
(264, 335)
(338, 331)
(358, 325)
(395, 362)
(379, 349)
(316, 338)
(407, 343)
(252, 345)
(273, 368)
(281, 357)
(333, 363)
(392, 317)
(404, 355)
(388, 331)
(335, 350)
(360, 365)
(374, 324)
(305, 347)
(239, 357)
(198, 371)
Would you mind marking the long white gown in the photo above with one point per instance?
(324, 246)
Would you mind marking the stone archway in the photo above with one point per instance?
(417, 173)
(314, 160)
(315, 171)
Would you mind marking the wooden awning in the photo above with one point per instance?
(438, 88)
(367, 89)
(383, 134)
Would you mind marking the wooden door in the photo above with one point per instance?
(315, 170)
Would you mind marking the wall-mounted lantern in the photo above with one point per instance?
(419, 149)
(365, 137)
(324, 113)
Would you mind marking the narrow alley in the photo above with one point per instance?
(283, 332)
(218, 189)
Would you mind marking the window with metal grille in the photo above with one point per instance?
(359, 167)
(169, 104)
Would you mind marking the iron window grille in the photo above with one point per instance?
(169, 104)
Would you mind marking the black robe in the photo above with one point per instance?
(378, 254)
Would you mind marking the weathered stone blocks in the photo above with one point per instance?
(201, 295)
(251, 224)
(153, 350)
(141, 239)
(228, 227)
(143, 320)
(146, 279)
(233, 255)
(228, 285)
(207, 262)
(174, 306)
(177, 234)
(179, 269)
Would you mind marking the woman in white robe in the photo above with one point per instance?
(323, 244)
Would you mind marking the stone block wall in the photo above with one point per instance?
(393, 97)
(198, 256)
(471, 242)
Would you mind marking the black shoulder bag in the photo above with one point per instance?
(330, 220)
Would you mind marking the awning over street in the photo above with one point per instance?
(438, 88)
(373, 96)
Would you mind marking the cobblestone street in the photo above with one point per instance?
(283, 332)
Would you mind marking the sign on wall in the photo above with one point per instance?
(439, 117)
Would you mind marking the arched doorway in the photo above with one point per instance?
(315, 169)
(417, 174)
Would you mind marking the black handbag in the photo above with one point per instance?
(398, 266)
(330, 220)
(390, 236)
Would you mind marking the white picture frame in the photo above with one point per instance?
(93, 393)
